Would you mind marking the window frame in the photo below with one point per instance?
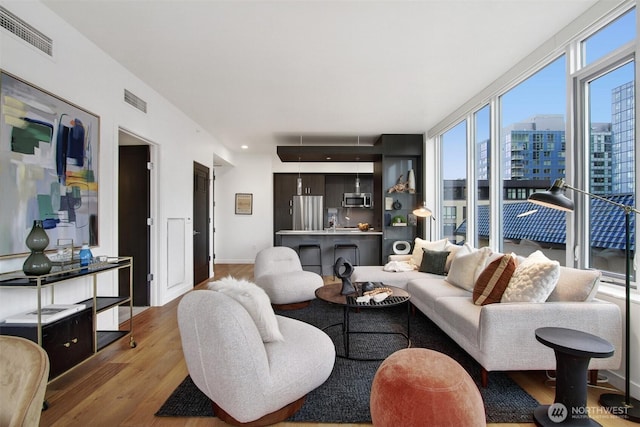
(572, 46)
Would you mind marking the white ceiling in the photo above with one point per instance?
(262, 73)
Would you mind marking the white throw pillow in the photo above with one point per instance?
(454, 251)
(465, 268)
(256, 301)
(534, 279)
(416, 255)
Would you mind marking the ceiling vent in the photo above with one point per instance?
(26, 32)
(135, 101)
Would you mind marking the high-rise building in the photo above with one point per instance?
(534, 149)
(600, 178)
(623, 139)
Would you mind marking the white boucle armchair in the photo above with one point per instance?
(250, 381)
(279, 272)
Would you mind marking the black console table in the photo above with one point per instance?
(573, 350)
(72, 339)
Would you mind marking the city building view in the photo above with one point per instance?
(534, 157)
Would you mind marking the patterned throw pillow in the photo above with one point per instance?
(433, 261)
(493, 280)
(534, 279)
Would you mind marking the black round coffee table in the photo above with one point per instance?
(573, 349)
(331, 294)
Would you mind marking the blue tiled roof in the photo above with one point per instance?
(549, 225)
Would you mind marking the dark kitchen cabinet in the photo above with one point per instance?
(338, 184)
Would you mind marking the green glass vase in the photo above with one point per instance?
(37, 263)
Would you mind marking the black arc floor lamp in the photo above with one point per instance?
(423, 212)
(623, 406)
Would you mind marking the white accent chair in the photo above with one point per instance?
(279, 272)
(250, 381)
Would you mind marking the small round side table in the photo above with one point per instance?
(573, 350)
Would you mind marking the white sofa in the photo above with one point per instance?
(501, 336)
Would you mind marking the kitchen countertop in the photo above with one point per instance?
(329, 232)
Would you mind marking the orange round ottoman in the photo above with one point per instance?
(420, 387)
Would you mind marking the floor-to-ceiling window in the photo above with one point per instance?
(454, 184)
(606, 85)
(532, 140)
(571, 116)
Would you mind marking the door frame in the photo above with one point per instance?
(154, 297)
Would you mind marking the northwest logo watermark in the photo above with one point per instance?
(558, 412)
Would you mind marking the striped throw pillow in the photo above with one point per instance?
(493, 280)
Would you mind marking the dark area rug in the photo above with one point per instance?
(344, 397)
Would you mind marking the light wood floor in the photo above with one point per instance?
(121, 386)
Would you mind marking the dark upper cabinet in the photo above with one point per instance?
(312, 184)
(338, 184)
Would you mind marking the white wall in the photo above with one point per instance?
(84, 75)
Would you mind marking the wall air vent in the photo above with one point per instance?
(26, 32)
(135, 101)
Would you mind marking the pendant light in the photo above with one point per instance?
(299, 180)
(357, 167)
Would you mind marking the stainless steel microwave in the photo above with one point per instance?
(357, 200)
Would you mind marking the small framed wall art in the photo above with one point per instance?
(244, 203)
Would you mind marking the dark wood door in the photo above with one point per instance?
(133, 213)
(200, 223)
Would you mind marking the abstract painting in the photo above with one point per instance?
(48, 167)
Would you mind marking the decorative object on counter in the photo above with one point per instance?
(397, 205)
(344, 275)
(85, 256)
(399, 187)
(411, 182)
(37, 263)
(363, 226)
(623, 406)
(424, 212)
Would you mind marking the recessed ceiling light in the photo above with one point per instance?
(244, 147)
(328, 157)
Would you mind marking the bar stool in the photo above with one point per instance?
(318, 255)
(347, 246)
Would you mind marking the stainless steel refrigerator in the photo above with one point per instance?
(308, 213)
